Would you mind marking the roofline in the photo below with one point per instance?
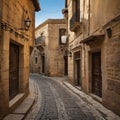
(36, 4)
(51, 21)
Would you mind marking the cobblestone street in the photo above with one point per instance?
(56, 102)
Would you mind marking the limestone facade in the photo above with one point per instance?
(51, 55)
(35, 61)
(15, 45)
(94, 30)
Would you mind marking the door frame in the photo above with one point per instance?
(65, 65)
(43, 64)
(12, 43)
(90, 71)
(75, 71)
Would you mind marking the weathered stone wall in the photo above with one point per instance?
(14, 13)
(101, 14)
(112, 66)
(96, 14)
(35, 65)
(54, 60)
(43, 29)
(56, 57)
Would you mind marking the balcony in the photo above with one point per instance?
(40, 41)
(75, 22)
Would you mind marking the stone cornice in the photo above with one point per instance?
(51, 21)
(36, 4)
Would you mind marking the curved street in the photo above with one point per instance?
(56, 102)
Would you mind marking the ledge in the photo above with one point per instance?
(16, 100)
(93, 38)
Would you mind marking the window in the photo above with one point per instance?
(75, 19)
(76, 7)
(62, 32)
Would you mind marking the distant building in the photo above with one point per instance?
(16, 41)
(94, 30)
(51, 59)
(35, 61)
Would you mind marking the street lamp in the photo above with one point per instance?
(8, 27)
(64, 39)
(64, 47)
(27, 23)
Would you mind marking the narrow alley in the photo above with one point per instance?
(59, 59)
(54, 101)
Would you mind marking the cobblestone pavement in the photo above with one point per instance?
(56, 102)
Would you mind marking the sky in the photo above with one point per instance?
(50, 9)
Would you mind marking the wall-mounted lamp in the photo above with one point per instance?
(64, 47)
(8, 27)
(27, 23)
(64, 39)
(63, 42)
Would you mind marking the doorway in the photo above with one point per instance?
(77, 68)
(65, 65)
(96, 74)
(43, 64)
(13, 71)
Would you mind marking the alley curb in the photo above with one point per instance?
(21, 111)
(101, 110)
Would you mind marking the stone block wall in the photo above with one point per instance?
(13, 13)
(97, 17)
(112, 66)
(54, 57)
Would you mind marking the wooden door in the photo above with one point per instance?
(96, 74)
(13, 71)
(77, 68)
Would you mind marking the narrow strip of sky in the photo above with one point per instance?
(50, 9)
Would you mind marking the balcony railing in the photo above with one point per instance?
(75, 22)
(40, 40)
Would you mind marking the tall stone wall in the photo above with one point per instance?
(13, 13)
(97, 17)
(54, 57)
(102, 12)
(112, 67)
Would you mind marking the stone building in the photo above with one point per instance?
(94, 30)
(51, 52)
(35, 61)
(16, 41)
